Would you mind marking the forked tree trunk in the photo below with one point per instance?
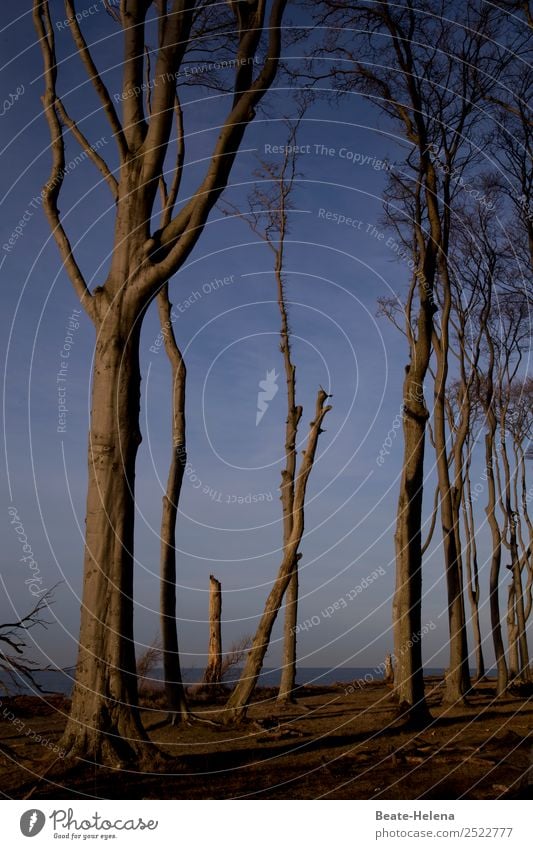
(174, 689)
(294, 414)
(240, 697)
(213, 672)
(104, 719)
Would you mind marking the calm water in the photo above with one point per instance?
(62, 681)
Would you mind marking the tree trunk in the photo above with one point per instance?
(457, 681)
(519, 617)
(104, 721)
(213, 670)
(388, 672)
(407, 603)
(240, 697)
(472, 569)
(494, 586)
(294, 414)
(288, 664)
(512, 634)
(175, 691)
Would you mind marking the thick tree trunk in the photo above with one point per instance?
(175, 691)
(407, 603)
(240, 697)
(457, 681)
(104, 721)
(213, 672)
(388, 670)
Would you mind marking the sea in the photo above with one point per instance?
(61, 681)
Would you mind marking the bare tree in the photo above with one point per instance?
(269, 204)
(395, 62)
(241, 695)
(14, 663)
(511, 334)
(104, 723)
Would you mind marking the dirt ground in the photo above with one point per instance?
(332, 744)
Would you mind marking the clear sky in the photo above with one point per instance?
(227, 325)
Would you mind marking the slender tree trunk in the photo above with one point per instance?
(524, 670)
(241, 695)
(175, 691)
(288, 664)
(294, 414)
(213, 672)
(494, 587)
(519, 618)
(473, 572)
(512, 634)
(104, 720)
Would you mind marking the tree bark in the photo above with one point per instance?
(213, 670)
(518, 596)
(472, 570)
(175, 691)
(457, 681)
(407, 603)
(104, 722)
(294, 414)
(494, 585)
(512, 634)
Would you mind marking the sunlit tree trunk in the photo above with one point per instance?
(175, 691)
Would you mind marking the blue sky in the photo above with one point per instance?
(229, 334)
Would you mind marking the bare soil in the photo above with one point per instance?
(331, 744)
